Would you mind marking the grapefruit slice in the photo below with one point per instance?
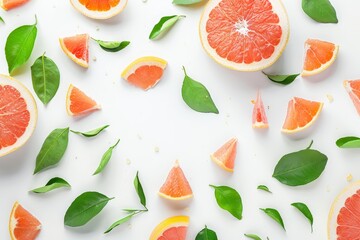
(225, 155)
(353, 88)
(176, 186)
(244, 35)
(259, 119)
(319, 55)
(10, 4)
(18, 115)
(77, 48)
(301, 114)
(344, 215)
(99, 9)
(145, 72)
(78, 103)
(22, 224)
(173, 228)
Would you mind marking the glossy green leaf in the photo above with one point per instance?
(105, 158)
(348, 142)
(196, 96)
(186, 2)
(206, 234)
(305, 211)
(112, 46)
(45, 78)
(52, 184)
(264, 188)
(252, 236)
(19, 46)
(119, 222)
(275, 215)
(84, 208)
(2, 20)
(282, 79)
(320, 10)
(91, 133)
(229, 199)
(53, 149)
(164, 25)
(139, 190)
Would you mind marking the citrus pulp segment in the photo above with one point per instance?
(259, 119)
(353, 89)
(78, 103)
(173, 228)
(99, 9)
(225, 155)
(77, 48)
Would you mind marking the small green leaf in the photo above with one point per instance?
(53, 149)
(305, 211)
(229, 199)
(252, 236)
(348, 142)
(52, 184)
(164, 25)
(2, 20)
(206, 234)
(91, 133)
(121, 221)
(84, 208)
(19, 46)
(139, 190)
(274, 214)
(112, 46)
(105, 158)
(45, 78)
(282, 79)
(196, 96)
(320, 10)
(264, 188)
(186, 2)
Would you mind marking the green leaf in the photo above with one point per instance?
(348, 142)
(121, 221)
(274, 214)
(112, 46)
(164, 25)
(139, 190)
(84, 208)
(196, 96)
(320, 10)
(2, 20)
(45, 78)
(52, 184)
(206, 234)
(305, 211)
(19, 46)
(264, 188)
(52, 149)
(91, 133)
(185, 2)
(252, 236)
(106, 158)
(300, 168)
(229, 199)
(282, 79)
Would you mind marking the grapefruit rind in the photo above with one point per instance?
(68, 103)
(165, 196)
(12, 4)
(78, 61)
(354, 98)
(259, 106)
(255, 66)
(176, 221)
(32, 108)
(220, 163)
(99, 14)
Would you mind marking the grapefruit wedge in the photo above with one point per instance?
(319, 55)
(173, 228)
(77, 48)
(353, 88)
(144, 72)
(259, 119)
(10, 4)
(244, 35)
(18, 115)
(22, 224)
(99, 9)
(225, 155)
(78, 103)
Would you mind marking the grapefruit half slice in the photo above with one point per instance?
(99, 9)
(10, 4)
(77, 48)
(173, 228)
(259, 119)
(78, 103)
(225, 155)
(353, 88)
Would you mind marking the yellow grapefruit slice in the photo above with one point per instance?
(353, 88)
(18, 115)
(78, 103)
(244, 35)
(319, 55)
(173, 228)
(22, 224)
(259, 119)
(225, 155)
(144, 72)
(77, 48)
(99, 9)
(10, 4)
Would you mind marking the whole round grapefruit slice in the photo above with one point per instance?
(225, 155)
(173, 228)
(78, 103)
(10, 4)
(353, 88)
(344, 215)
(259, 119)
(244, 35)
(99, 9)
(77, 48)
(18, 114)
(22, 224)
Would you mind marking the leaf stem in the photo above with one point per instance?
(311, 143)
(36, 20)
(184, 70)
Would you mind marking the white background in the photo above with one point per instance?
(160, 118)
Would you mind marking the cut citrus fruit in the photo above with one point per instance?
(344, 215)
(78, 103)
(173, 228)
(99, 9)
(353, 88)
(319, 55)
(10, 4)
(244, 35)
(176, 186)
(259, 119)
(22, 224)
(144, 72)
(18, 114)
(301, 114)
(77, 48)
(225, 155)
